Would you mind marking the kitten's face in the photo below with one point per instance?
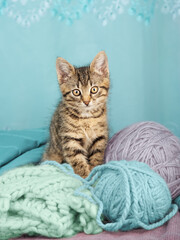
(86, 88)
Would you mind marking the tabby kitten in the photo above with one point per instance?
(79, 129)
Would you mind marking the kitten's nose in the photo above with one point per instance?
(86, 102)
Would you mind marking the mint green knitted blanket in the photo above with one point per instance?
(40, 200)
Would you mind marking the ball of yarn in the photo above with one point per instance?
(153, 144)
(133, 196)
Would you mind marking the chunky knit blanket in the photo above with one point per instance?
(41, 200)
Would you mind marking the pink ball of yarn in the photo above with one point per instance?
(153, 144)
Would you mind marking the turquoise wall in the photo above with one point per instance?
(144, 66)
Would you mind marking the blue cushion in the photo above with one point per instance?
(21, 147)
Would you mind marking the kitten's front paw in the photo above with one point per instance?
(91, 167)
(81, 169)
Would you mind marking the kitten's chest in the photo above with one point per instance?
(89, 130)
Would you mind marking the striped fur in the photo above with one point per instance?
(79, 132)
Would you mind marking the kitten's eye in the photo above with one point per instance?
(76, 92)
(94, 89)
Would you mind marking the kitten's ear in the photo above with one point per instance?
(99, 64)
(64, 70)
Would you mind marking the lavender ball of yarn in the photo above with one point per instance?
(153, 144)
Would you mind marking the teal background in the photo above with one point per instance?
(144, 66)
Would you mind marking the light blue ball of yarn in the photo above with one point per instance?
(133, 196)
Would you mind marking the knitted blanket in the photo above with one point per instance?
(41, 200)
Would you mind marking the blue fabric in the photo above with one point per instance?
(18, 148)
